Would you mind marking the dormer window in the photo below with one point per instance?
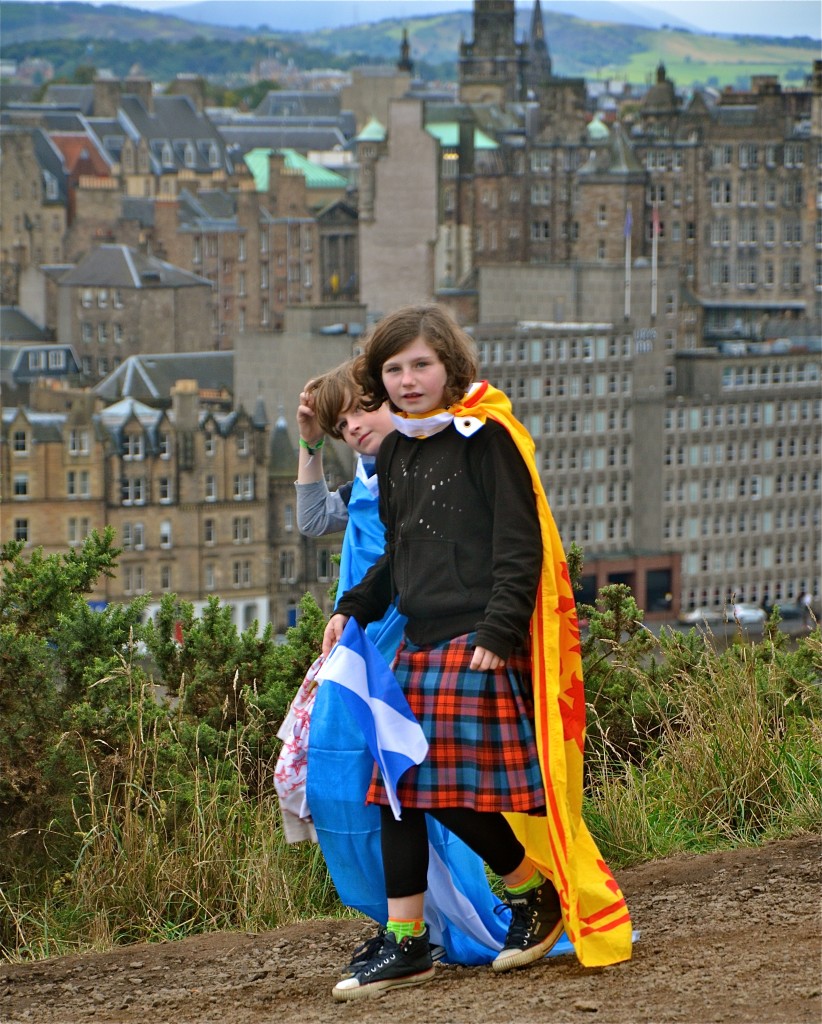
(190, 155)
(167, 155)
(213, 155)
(133, 446)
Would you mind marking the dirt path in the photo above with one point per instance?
(731, 937)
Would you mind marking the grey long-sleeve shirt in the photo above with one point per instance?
(320, 511)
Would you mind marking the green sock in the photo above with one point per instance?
(405, 929)
(535, 879)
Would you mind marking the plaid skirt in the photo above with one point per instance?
(480, 729)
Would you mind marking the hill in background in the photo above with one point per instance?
(161, 45)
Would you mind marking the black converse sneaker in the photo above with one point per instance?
(363, 953)
(407, 962)
(536, 926)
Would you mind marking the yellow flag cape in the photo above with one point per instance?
(593, 908)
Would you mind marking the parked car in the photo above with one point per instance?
(790, 610)
(749, 614)
(699, 615)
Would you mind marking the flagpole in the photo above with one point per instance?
(628, 226)
(654, 242)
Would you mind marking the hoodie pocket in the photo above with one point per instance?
(428, 579)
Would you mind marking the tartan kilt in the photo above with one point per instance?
(480, 729)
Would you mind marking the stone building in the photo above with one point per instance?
(117, 302)
(34, 202)
(185, 489)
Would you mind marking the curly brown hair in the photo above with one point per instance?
(396, 330)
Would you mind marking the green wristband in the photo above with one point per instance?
(312, 448)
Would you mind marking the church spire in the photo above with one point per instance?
(539, 66)
(405, 63)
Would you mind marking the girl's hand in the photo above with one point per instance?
(307, 423)
(484, 660)
(333, 632)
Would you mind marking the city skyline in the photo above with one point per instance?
(781, 18)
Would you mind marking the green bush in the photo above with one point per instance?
(137, 760)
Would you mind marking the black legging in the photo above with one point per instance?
(405, 844)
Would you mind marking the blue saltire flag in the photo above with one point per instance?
(378, 705)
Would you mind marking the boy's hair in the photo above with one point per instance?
(335, 392)
(396, 330)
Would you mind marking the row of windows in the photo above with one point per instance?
(601, 457)
(133, 446)
(755, 557)
(135, 490)
(574, 495)
(768, 376)
(78, 483)
(722, 192)
(792, 155)
(743, 451)
(552, 423)
(720, 231)
(327, 566)
(753, 487)
(539, 350)
(52, 359)
(586, 532)
(731, 524)
(759, 589)
(134, 577)
(746, 273)
(133, 535)
(805, 411)
(100, 297)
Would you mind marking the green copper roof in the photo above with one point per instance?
(372, 132)
(315, 175)
(597, 129)
(447, 133)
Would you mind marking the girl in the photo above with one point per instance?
(472, 556)
(338, 768)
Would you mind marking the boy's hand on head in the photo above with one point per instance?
(484, 660)
(333, 632)
(307, 423)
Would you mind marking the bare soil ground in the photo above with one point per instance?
(732, 937)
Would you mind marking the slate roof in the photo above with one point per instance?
(120, 266)
(16, 326)
(213, 210)
(15, 367)
(71, 97)
(295, 103)
(150, 378)
(283, 456)
(45, 426)
(174, 131)
(242, 139)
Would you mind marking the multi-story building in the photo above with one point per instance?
(735, 187)
(185, 489)
(118, 302)
(692, 475)
(518, 171)
(34, 202)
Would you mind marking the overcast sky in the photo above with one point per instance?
(756, 17)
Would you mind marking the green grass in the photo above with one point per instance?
(169, 842)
